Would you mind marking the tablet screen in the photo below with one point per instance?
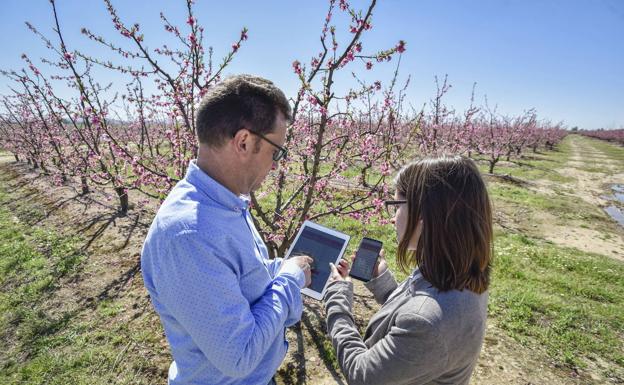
(324, 248)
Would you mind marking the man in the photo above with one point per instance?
(223, 304)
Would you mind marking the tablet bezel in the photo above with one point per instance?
(307, 291)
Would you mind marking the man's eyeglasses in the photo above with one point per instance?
(393, 206)
(280, 153)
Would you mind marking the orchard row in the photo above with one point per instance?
(343, 146)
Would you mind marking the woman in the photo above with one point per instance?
(430, 327)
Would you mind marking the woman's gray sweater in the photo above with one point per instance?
(419, 336)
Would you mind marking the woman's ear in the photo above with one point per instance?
(419, 227)
(416, 236)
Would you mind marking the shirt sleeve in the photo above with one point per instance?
(274, 265)
(201, 290)
(288, 267)
(412, 351)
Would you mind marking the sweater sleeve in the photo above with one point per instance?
(412, 351)
(382, 286)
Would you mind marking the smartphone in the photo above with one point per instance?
(365, 259)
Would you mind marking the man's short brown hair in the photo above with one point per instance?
(241, 101)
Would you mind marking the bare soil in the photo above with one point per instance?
(592, 187)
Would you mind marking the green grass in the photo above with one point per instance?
(46, 338)
(568, 301)
(530, 170)
(612, 150)
(564, 207)
(35, 258)
(33, 262)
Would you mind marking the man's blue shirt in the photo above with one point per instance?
(223, 304)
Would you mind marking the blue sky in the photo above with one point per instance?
(565, 58)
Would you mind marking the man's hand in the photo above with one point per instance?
(304, 262)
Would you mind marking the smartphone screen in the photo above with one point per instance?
(365, 259)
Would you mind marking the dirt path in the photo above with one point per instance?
(590, 185)
(593, 172)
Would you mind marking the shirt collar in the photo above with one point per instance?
(213, 189)
(414, 280)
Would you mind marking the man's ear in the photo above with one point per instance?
(242, 142)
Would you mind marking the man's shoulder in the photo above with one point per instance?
(187, 209)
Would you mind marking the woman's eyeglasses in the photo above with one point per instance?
(280, 153)
(392, 206)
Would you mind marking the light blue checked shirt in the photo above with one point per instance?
(223, 304)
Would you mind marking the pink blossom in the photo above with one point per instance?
(401, 46)
(297, 67)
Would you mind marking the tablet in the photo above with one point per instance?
(324, 245)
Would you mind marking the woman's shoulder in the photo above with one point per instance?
(437, 307)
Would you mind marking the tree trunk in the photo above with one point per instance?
(363, 176)
(16, 157)
(123, 199)
(492, 163)
(272, 249)
(281, 250)
(85, 186)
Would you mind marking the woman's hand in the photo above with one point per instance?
(340, 272)
(381, 265)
